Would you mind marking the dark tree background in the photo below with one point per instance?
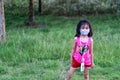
(31, 13)
(39, 7)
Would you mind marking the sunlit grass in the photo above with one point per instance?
(43, 53)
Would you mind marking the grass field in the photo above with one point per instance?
(43, 53)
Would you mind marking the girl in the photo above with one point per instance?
(82, 52)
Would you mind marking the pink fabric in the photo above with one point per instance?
(87, 55)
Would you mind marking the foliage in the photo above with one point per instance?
(65, 7)
(118, 6)
(79, 7)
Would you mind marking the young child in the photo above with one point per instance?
(82, 52)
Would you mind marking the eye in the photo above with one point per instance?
(87, 28)
(82, 27)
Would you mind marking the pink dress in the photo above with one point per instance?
(78, 51)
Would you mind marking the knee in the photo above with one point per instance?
(70, 74)
(86, 73)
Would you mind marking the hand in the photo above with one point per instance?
(93, 65)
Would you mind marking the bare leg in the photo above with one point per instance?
(86, 74)
(70, 73)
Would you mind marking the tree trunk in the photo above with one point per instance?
(39, 7)
(31, 12)
(2, 22)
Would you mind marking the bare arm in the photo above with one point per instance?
(73, 48)
(92, 54)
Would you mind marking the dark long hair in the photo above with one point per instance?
(83, 22)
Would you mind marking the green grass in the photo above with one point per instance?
(43, 53)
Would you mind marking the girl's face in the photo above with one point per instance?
(84, 30)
